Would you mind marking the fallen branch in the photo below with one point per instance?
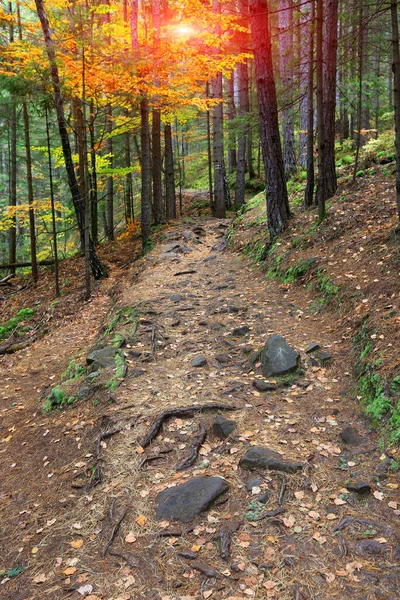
(190, 272)
(194, 450)
(15, 346)
(351, 520)
(225, 539)
(207, 570)
(114, 530)
(270, 514)
(6, 279)
(130, 561)
(104, 436)
(282, 489)
(154, 457)
(182, 411)
(21, 265)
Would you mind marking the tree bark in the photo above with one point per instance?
(309, 191)
(321, 184)
(285, 16)
(232, 160)
(329, 95)
(243, 81)
(97, 267)
(169, 174)
(110, 180)
(304, 67)
(276, 193)
(396, 92)
(29, 180)
(218, 138)
(146, 175)
(158, 203)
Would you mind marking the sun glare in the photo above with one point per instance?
(183, 30)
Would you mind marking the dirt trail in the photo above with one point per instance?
(189, 300)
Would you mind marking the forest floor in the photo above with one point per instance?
(79, 486)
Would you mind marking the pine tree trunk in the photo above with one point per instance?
(304, 67)
(249, 136)
(158, 203)
(209, 155)
(29, 180)
(321, 184)
(146, 175)
(286, 65)
(13, 185)
(329, 98)
(232, 160)
(93, 178)
(276, 192)
(309, 191)
(110, 180)
(169, 174)
(218, 138)
(53, 212)
(242, 73)
(396, 93)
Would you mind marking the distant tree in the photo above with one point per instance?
(396, 92)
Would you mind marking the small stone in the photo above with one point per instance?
(264, 386)
(258, 457)
(171, 247)
(222, 427)
(360, 487)
(264, 497)
(278, 358)
(322, 356)
(250, 483)
(199, 361)
(351, 436)
(240, 331)
(187, 235)
(312, 347)
(370, 548)
(223, 358)
(176, 298)
(137, 372)
(186, 501)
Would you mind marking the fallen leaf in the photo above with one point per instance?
(77, 543)
(69, 571)
(130, 580)
(130, 538)
(141, 520)
(85, 589)
(35, 550)
(393, 505)
(40, 578)
(330, 577)
(378, 495)
(208, 593)
(299, 495)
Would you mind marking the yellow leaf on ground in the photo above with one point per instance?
(77, 543)
(69, 571)
(141, 520)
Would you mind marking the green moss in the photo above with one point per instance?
(120, 366)
(57, 399)
(297, 271)
(74, 371)
(254, 510)
(12, 324)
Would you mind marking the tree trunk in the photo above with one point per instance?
(304, 67)
(97, 267)
(110, 180)
(321, 184)
(396, 92)
(218, 138)
(53, 212)
(329, 96)
(249, 136)
(286, 65)
(309, 191)
(13, 168)
(209, 154)
(158, 203)
(232, 161)
(276, 192)
(93, 178)
(146, 175)
(242, 72)
(169, 174)
(29, 180)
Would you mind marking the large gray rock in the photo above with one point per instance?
(186, 501)
(222, 427)
(264, 458)
(103, 358)
(278, 358)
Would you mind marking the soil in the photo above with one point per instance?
(74, 535)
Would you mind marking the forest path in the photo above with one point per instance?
(189, 300)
